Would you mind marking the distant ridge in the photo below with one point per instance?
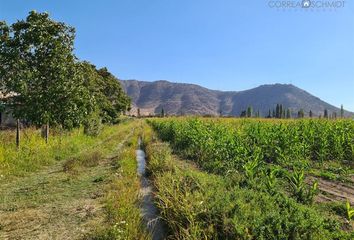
(191, 99)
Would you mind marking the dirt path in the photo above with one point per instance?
(333, 191)
(53, 204)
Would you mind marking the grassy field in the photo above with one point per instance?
(212, 179)
(76, 187)
(254, 179)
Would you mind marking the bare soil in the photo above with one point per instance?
(333, 191)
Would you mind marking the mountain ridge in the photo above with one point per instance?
(193, 99)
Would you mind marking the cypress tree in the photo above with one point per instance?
(249, 111)
(325, 114)
(280, 110)
(277, 111)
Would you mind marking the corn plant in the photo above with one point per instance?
(297, 184)
(350, 211)
(311, 192)
(271, 181)
(250, 168)
(300, 190)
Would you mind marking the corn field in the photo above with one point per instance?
(295, 166)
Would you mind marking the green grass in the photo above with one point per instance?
(83, 194)
(123, 217)
(34, 153)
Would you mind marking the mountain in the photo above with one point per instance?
(191, 99)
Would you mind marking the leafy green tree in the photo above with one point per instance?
(38, 65)
(310, 114)
(341, 111)
(109, 96)
(162, 112)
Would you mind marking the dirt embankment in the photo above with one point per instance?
(333, 191)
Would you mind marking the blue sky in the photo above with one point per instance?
(224, 44)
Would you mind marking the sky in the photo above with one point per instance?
(220, 44)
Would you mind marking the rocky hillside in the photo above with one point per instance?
(191, 99)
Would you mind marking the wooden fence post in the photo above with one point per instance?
(46, 132)
(18, 134)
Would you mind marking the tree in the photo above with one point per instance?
(243, 113)
(280, 110)
(273, 114)
(38, 65)
(162, 112)
(115, 100)
(110, 99)
(269, 114)
(325, 114)
(138, 112)
(277, 111)
(310, 114)
(300, 113)
(341, 111)
(249, 111)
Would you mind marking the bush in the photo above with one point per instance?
(93, 125)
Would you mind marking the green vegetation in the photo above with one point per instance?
(34, 153)
(123, 217)
(350, 211)
(43, 82)
(219, 146)
(88, 190)
(261, 188)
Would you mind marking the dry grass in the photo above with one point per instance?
(55, 204)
